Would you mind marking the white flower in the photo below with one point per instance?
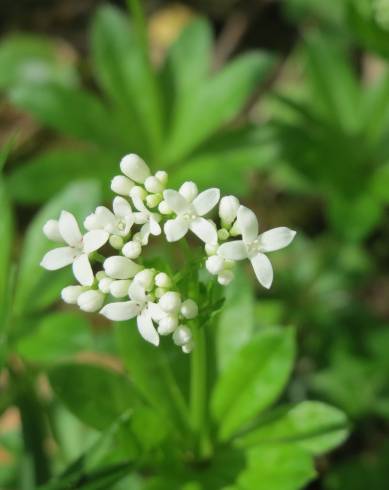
(119, 288)
(135, 168)
(118, 267)
(139, 306)
(132, 249)
(228, 209)
(78, 250)
(182, 335)
(190, 215)
(162, 280)
(121, 185)
(254, 246)
(91, 300)
(189, 309)
(145, 217)
(170, 302)
(70, 294)
(167, 324)
(119, 222)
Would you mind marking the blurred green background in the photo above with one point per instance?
(283, 103)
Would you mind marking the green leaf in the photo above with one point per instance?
(36, 287)
(334, 85)
(313, 426)
(264, 364)
(124, 73)
(236, 321)
(277, 468)
(96, 395)
(152, 373)
(6, 234)
(69, 110)
(45, 175)
(58, 335)
(215, 103)
(33, 60)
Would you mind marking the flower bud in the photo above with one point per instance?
(119, 288)
(167, 324)
(189, 309)
(234, 231)
(228, 209)
(163, 208)
(189, 190)
(182, 335)
(121, 185)
(91, 300)
(162, 280)
(159, 292)
(138, 192)
(153, 200)
(116, 242)
(100, 275)
(51, 230)
(222, 234)
(119, 267)
(225, 277)
(214, 264)
(162, 176)
(211, 248)
(132, 250)
(188, 347)
(153, 185)
(134, 167)
(170, 302)
(70, 294)
(104, 284)
(145, 278)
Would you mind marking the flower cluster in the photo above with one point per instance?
(123, 288)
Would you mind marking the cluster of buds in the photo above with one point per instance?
(123, 288)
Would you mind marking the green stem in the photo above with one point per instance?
(199, 395)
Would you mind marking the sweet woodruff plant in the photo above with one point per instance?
(119, 286)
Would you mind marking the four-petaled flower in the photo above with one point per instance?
(254, 246)
(190, 215)
(77, 250)
(139, 306)
(118, 222)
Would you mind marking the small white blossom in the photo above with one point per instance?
(254, 246)
(121, 185)
(132, 249)
(153, 185)
(188, 190)
(145, 278)
(163, 208)
(214, 264)
(188, 347)
(162, 176)
(225, 277)
(116, 242)
(118, 267)
(119, 288)
(91, 300)
(189, 309)
(77, 250)
(70, 294)
(170, 302)
(167, 324)
(119, 222)
(190, 215)
(135, 168)
(228, 209)
(162, 280)
(182, 335)
(104, 284)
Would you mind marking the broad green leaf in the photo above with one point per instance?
(58, 336)
(253, 380)
(36, 287)
(380, 184)
(215, 103)
(375, 107)
(6, 234)
(151, 371)
(277, 468)
(236, 321)
(313, 426)
(187, 64)
(68, 110)
(124, 73)
(96, 395)
(33, 60)
(334, 85)
(45, 175)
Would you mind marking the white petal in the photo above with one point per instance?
(204, 229)
(68, 227)
(58, 258)
(235, 250)
(155, 228)
(121, 207)
(93, 240)
(176, 201)
(121, 311)
(82, 270)
(175, 229)
(146, 328)
(263, 269)
(137, 292)
(104, 217)
(276, 239)
(156, 312)
(248, 224)
(206, 200)
(144, 234)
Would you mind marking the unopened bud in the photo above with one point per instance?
(91, 300)
(187, 348)
(153, 185)
(189, 309)
(228, 209)
(163, 208)
(222, 234)
(135, 168)
(167, 324)
(153, 200)
(104, 284)
(225, 277)
(189, 190)
(70, 294)
(182, 335)
(170, 302)
(119, 289)
(116, 242)
(162, 280)
(119, 267)
(214, 264)
(121, 185)
(145, 278)
(162, 176)
(132, 250)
